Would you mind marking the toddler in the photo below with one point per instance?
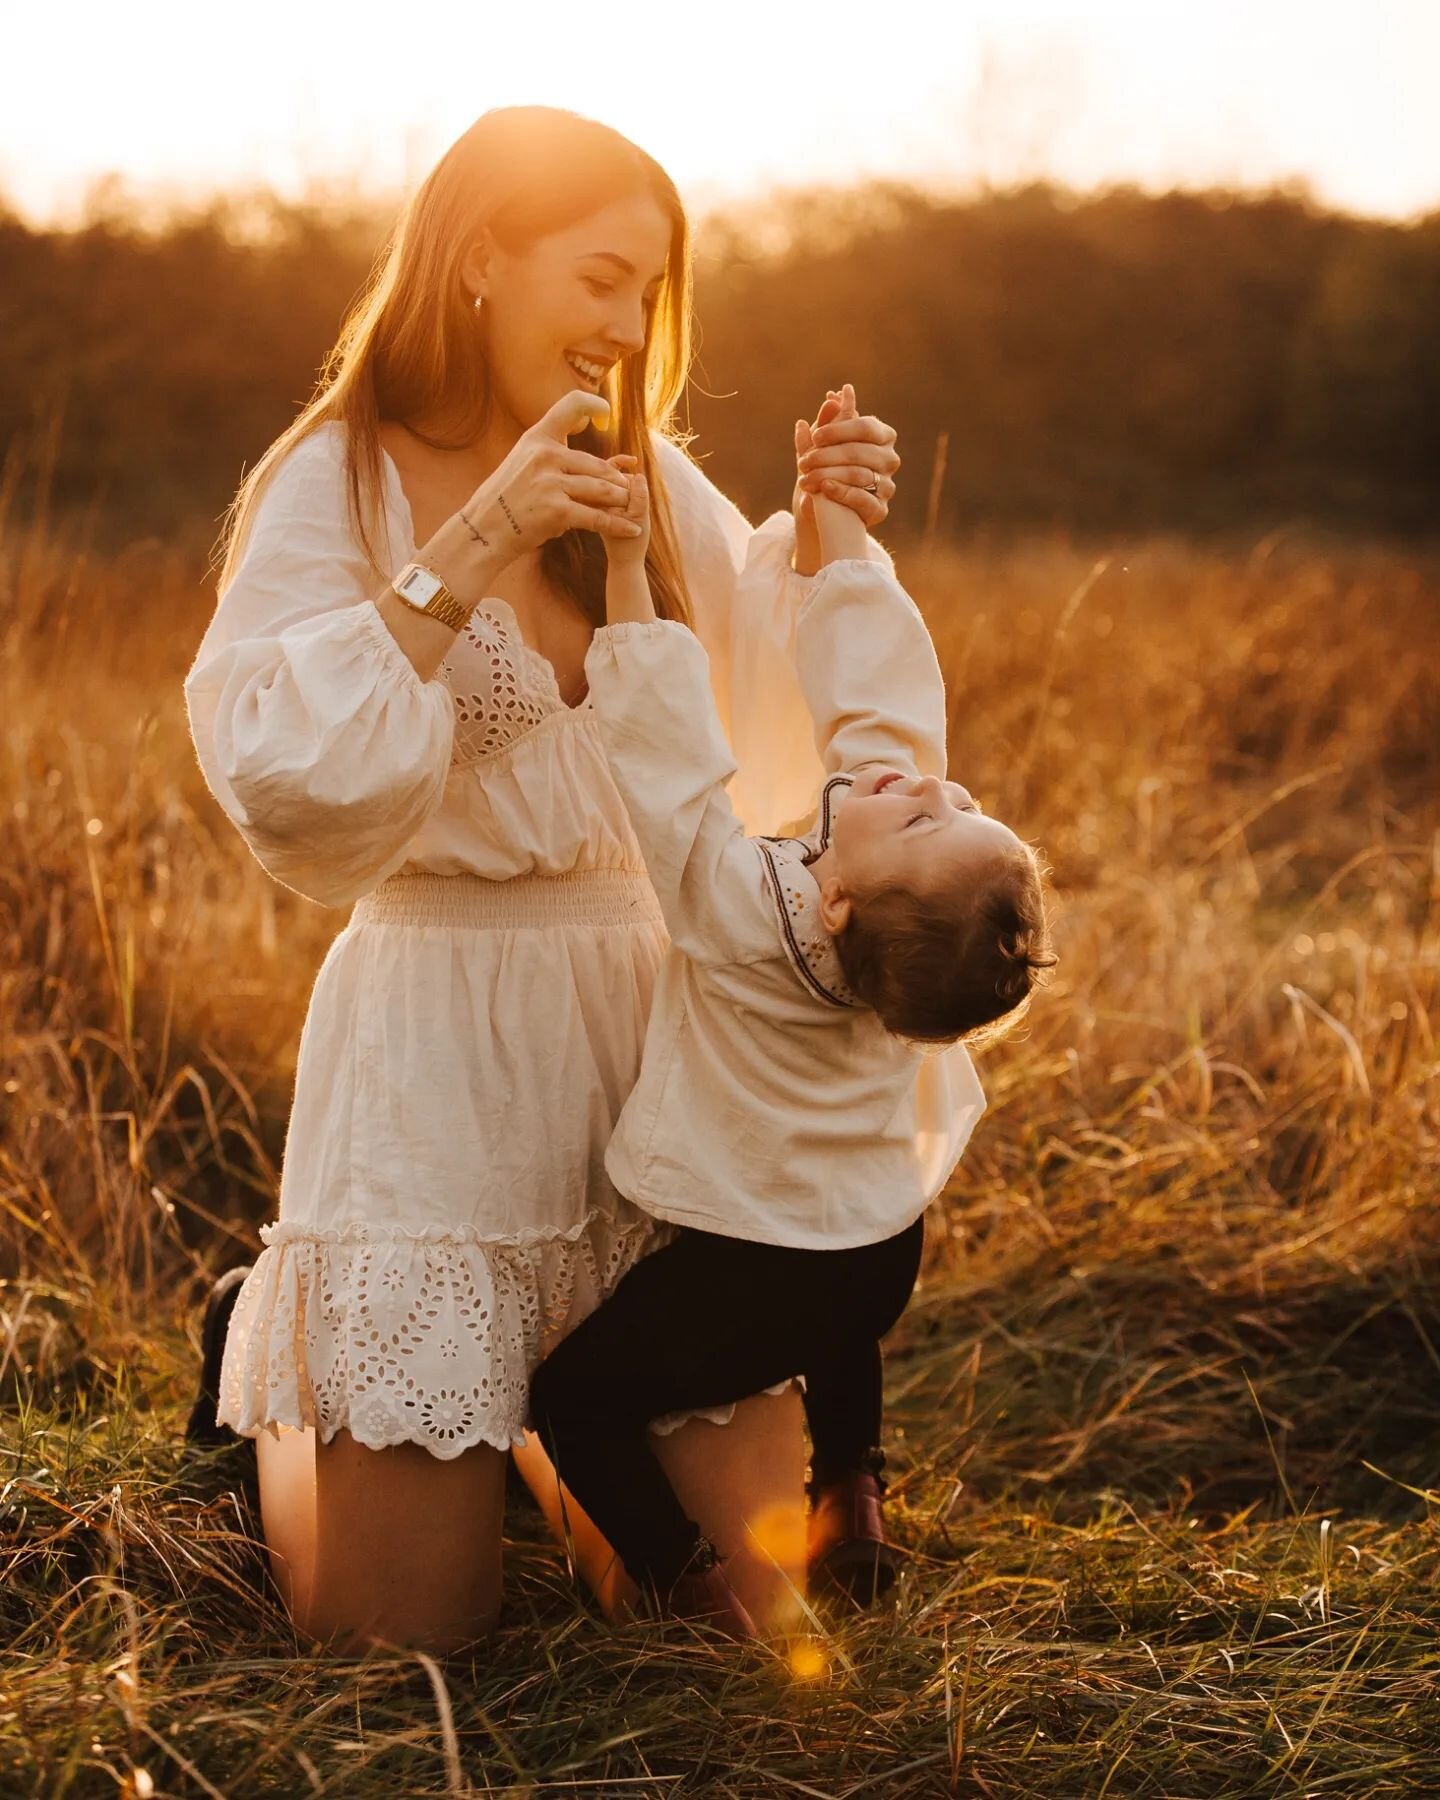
(786, 1118)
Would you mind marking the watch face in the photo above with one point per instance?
(418, 585)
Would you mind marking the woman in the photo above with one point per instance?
(473, 1032)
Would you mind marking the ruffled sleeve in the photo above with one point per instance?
(312, 728)
(747, 599)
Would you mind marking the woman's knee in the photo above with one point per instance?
(332, 1627)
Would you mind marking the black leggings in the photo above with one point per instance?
(702, 1322)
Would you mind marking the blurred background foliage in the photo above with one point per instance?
(1186, 361)
(1164, 1415)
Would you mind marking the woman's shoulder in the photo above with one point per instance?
(302, 503)
(312, 464)
(297, 486)
(313, 476)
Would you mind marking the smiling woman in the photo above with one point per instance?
(502, 270)
(417, 740)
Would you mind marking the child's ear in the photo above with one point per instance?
(835, 908)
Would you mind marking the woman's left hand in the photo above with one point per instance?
(853, 461)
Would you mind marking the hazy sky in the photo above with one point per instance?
(732, 96)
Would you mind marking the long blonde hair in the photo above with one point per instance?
(408, 348)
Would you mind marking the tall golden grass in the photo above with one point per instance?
(1166, 1409)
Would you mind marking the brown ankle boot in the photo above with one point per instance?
(848, 1556)
(704, 1594)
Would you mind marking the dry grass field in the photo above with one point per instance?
(1165, 1411)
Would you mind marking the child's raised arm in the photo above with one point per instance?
(869, 673)
(866, 664)
(650, 688)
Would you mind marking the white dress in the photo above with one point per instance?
(474, 1031)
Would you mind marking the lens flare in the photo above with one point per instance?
(779, 1533)
(808, 1662)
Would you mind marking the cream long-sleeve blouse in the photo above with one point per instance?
(333, 758)
(475, 1029)
(772, 1104)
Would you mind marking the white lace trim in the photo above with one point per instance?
(426, 1336)
(715, 1415)
(495, 702)
(421, 1337)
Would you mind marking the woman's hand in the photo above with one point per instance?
(542, 489)
(841, 458)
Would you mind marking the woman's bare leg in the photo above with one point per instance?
(383, 1546)
(743, 1483)
(287, 1513)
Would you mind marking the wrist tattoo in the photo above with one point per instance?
(511, 517)
(479, 536)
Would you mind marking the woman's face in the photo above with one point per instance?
(561, 313)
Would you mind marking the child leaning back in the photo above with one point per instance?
(787, 1118)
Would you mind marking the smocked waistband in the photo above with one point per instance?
(525, 902)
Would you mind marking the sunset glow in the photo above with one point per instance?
(178, 100)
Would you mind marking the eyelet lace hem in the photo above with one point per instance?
(411, 1337)
(426, 1336)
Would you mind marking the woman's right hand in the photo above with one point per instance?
(541, 490)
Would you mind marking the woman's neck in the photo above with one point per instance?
(480, 456)
(438, 471)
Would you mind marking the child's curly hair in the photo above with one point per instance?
(957, 964)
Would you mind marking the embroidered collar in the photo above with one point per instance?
(793, 888)
(830, 796)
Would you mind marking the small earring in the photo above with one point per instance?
(479, 301)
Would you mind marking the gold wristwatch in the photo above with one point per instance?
(423, 589)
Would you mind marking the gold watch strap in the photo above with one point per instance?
(447, 609)
(442, 605)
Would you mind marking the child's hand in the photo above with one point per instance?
(625, 552)
(628, 600)
(841, 530)
(853, 460)
(802, 504)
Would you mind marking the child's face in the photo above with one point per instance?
(912, 832)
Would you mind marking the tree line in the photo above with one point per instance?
(1119, 361)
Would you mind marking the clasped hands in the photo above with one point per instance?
(852, 460)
